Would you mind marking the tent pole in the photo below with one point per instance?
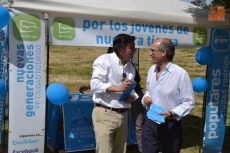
(47, 78)
(6, 117)
(203, 116)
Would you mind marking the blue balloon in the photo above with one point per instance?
(57, 93)
(4, 17)
(199, 84)
(2, 88)
(203, 56)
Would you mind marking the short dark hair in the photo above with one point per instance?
(110, 50)
(168, 46)
(121, 40)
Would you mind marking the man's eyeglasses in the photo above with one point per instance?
(155, 51)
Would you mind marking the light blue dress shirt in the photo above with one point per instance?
(173, 90)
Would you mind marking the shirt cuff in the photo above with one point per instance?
(105, 87)
(178, 115)
(135, 95)
(142, 100)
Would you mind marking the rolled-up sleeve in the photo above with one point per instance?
(147, 88)
(98, 82)
(186, 97)
(145, 95)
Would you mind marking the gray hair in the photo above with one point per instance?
(168, 46)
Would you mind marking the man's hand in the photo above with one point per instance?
(84, 88)
(130, 99)
(147, 101)
(125, 85)
(168, 115)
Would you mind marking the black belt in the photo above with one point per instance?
(119, 110)
(171, 120)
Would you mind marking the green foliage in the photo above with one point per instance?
(201, 3)
(225, 3)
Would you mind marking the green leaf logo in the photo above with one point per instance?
(199, 36)
(26, 27)
(63, 28)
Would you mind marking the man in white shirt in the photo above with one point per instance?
(169, 87)
(109, 80)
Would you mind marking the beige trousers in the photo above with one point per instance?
(111, 129)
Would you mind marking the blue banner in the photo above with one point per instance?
(78, 126)
(3, 74)
(132, 131)
(52, 124)
(217, 93)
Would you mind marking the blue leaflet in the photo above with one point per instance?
(127, 92)
(153, 113)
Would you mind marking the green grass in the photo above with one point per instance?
(72, 66)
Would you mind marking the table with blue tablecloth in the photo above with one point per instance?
(78, 134)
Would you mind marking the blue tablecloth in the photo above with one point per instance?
(77, 121)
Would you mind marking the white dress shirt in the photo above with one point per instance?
(107, 71)
(173, 90)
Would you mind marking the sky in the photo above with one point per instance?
(189, 1)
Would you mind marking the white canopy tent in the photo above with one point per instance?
(164, 12)
(174, 12)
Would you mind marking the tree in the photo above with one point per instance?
(201, 3)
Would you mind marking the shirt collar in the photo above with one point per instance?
(115, 57)
(169, 67)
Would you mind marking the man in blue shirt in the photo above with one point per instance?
(169, 87)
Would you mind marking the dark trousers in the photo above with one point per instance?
(166, 137)
(137, 112)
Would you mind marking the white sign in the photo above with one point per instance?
(91, 32)
(26, 82)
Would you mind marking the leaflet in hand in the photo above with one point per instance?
(153, 113)
(127, 92)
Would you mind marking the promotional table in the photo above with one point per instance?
(78, 133)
